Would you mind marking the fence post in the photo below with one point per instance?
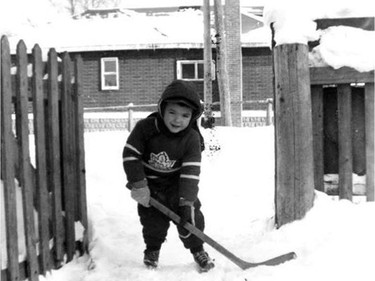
(130, 117)
(269, 112)
(293, 131)
(344, 107)
(369, 119)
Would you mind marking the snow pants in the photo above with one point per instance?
(156, 224)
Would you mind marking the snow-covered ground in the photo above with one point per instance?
(335, 241)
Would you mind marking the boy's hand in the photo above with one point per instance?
(186, 212)
(141, 195)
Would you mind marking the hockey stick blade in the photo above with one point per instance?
(274, 261)
(205, 238)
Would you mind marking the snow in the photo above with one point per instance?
(335, 241)
(339, 46)
(293, 21)
(356, 48)
(183, 29)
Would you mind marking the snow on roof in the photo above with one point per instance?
(170, 3)
(183, 29)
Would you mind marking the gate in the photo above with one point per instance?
(42, 161)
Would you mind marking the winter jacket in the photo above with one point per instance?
(163, 160)
(152, 156)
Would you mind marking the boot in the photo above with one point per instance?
(203, 261)
(151, 258)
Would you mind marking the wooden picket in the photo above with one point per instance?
(370, 127)
(41, 161)
(318, 124)
(25, 181)
(67, 172)
(8, 157)
(54, 156)
(80, 150)
(55, 188)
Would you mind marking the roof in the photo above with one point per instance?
(123, 29)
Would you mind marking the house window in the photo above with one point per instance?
(192, 69)
(109, 74)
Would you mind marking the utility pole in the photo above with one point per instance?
(207, 66)
(221, 53)
(207, 53)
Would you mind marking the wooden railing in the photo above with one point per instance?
(339, 82)
(299, 109)
(53, 185)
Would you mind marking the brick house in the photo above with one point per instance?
(130, 57)
(143, 74)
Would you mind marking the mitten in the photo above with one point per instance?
(141, 193)
(186, 212)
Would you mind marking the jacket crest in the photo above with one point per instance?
(161, 161)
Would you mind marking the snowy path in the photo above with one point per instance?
(334, 242)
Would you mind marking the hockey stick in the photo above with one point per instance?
(205, 238)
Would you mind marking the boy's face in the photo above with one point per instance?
(177, 117)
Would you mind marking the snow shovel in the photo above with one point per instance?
(205, 238)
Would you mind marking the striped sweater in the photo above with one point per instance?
(155, 157)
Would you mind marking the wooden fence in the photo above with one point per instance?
(349, 122)
(51, 173)
(299, 114)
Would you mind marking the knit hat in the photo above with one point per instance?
(180, 91)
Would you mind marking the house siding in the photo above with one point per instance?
(143, 76)
(145, 73)
(257, 76)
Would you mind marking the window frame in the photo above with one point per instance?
(103, 73)
(180, 63)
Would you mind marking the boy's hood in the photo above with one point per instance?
(182, 92)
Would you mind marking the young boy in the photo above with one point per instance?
(162, 159)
